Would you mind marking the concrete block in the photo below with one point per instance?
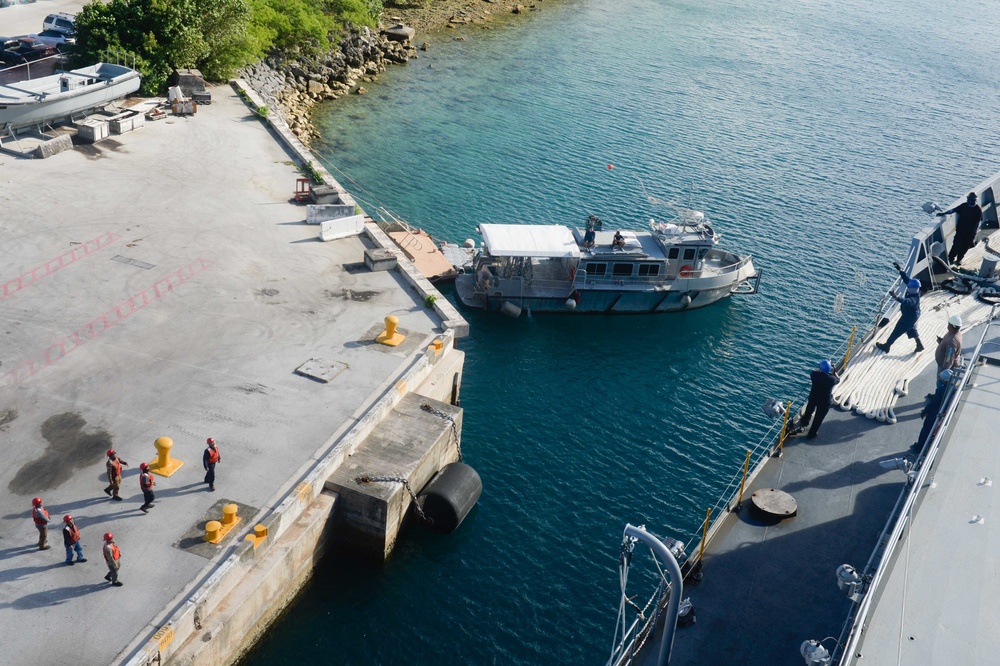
(317, 213)
(343, 227)
(377, 259)
(410, 443)
(53, 146)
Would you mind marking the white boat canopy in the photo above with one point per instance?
(529, 240)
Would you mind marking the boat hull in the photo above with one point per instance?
(39, 101)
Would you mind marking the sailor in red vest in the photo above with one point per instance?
(71, 539)
(41, 518)
(146, 482)
(209, 460)
(114, 474)
(112, 555)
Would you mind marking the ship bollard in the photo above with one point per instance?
(390, 336)
(164, 465)
(212, 530)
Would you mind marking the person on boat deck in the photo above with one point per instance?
(484, 276)
(909, 313)
(967, 219)
(594, 222)
(931, 408)
(590, 235)
(820, 397)
(619, 240)
(949, 350)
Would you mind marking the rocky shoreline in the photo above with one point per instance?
(293, 85)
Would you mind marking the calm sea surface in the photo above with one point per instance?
(809, 131)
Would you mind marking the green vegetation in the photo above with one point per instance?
(430, 300)
(216, 36)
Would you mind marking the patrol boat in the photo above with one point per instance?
(876, 546)
(673, 266)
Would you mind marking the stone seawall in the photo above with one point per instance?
(293, 85)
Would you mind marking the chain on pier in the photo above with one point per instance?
(454, 427)
(364, 478)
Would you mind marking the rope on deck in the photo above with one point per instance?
(873, 381)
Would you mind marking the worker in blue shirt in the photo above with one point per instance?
(909, 313)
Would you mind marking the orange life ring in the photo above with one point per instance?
(686, 271)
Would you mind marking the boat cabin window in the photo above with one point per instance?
(622, 270)
(596, 270)
(702, 252)
(673, 252)
(649, 270)
(688, 254)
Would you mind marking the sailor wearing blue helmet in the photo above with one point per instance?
(820, 397)
(909, 313)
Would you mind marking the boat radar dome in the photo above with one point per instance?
(955, 321)
(825, 366)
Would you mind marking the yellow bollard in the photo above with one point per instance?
(258, 536)
(438, 345)
(229, 515)
(389, 336)
(213, 529)
(164, 465)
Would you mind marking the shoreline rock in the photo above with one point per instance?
(293, 84)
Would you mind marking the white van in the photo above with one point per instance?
(61, 22)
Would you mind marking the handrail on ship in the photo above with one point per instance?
(902, 512)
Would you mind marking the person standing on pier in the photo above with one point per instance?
(967, 219)
(820, 397)
(909, 313)
(71, 539)
(209, 460)
(41, 518)
(949, 350)
(112, 556)
(146, 484)
(114, 466)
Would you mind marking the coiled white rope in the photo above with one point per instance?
(874, 380)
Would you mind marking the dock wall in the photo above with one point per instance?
(220, 614)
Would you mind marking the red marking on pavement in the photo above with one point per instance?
(62, 261)
(109, 319)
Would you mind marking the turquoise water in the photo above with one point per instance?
(808, 131)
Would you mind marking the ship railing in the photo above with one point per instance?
(641, 629)
(902, 513)
(32, 69)
(769, 445)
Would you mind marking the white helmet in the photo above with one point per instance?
(955, 321)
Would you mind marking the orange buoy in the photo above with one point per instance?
(610, 167)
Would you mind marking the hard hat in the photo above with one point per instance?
(143, 466)
(67, 518)
(825, 366)
(955, 321)
(914, 283)
(210, 440)
(37, 501)
(108, 536)
(945, 376)
(111, 452)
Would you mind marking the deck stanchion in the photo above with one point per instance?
(850, 345)
(704, 534)
(746, 469)
(784, 429)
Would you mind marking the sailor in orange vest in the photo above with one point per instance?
(71, 539)
(146, 482)
(41, 518)
(209, 460)
(114, 474)
(112, 555)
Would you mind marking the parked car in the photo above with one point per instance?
(28, 49)
(56, 38)
(61, 22)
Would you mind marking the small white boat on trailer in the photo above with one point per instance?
(64, 94)
(552, 268)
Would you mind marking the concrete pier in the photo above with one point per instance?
(164, 284)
